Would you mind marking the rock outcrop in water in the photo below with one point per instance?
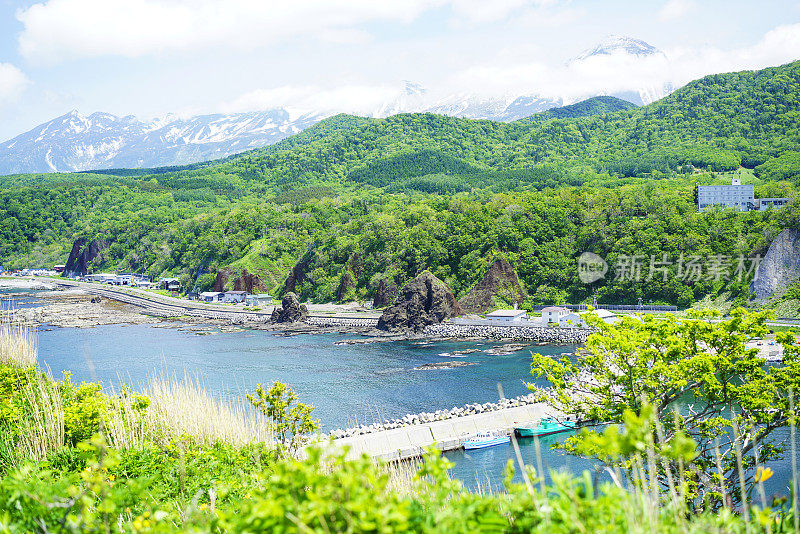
(780, 267)
(84, 256)
(291, 311)
(500, 282)
(423, 301)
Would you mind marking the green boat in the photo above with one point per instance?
(545, 427)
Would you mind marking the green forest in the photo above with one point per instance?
(365, 199)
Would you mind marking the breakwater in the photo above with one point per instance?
(528, 333)
(334, 322)
(430, 417)
(410, 439)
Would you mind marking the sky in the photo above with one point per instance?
(152, 57)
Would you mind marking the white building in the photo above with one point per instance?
(571, 320)
(211, 296)
(262, 299)
(736, 195)
(763, 204)
(552, 314)
(576, 319)
(234, 296)
(507, 316)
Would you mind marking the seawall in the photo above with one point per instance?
(528, 333)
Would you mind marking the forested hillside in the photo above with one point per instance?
(597, 105)
(352, 201)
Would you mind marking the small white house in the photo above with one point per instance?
(211, 296)
(234, 297)
(103, 278)
(607, 316)
(571, 320)
(262, 299)
(576, 320)
(553, 314)
(507, 316)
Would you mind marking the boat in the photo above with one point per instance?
(485, 439)
(546, 427)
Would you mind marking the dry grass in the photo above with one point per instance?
(178, 409)
(186, 408)
(42, 431)
(17, 346)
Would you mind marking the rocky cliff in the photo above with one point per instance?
(85, 254)
(423, 301)
(244, 281)
(499, 283)
(780, 267)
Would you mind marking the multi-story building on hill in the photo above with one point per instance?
(736, 195)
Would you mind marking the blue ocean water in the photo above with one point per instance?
(347, 384)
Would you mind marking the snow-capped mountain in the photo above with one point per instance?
(74, 142)
(615, 51)
(507, 108)
(618, 44)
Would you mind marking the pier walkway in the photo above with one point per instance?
(409, 441)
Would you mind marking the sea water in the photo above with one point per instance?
(348, 384)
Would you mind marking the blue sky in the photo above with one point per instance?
(152, 57)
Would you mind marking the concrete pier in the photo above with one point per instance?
(410, 441)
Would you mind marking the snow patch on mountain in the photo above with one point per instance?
(74, 142)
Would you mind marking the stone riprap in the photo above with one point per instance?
(430, 417)
(334, 322)
(528, 333)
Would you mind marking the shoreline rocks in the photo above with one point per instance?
(527, 333)
(442, 365)
(291, 311)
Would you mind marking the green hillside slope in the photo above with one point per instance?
(596, 105)
(722, 120)
(363, 200)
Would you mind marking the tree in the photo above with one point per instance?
(698, 377)
(290, 420)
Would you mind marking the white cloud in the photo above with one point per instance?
(358, 99)
(12, 82)
(616, 73)
(56, 30)
(675, 9)
(482, 11)
(66, 29)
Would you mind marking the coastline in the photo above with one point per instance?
(80, 305)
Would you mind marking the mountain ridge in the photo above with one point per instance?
(75, 142)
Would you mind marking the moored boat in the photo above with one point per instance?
(546, 427)
(485, 439)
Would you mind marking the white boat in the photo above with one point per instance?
(485, 439)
